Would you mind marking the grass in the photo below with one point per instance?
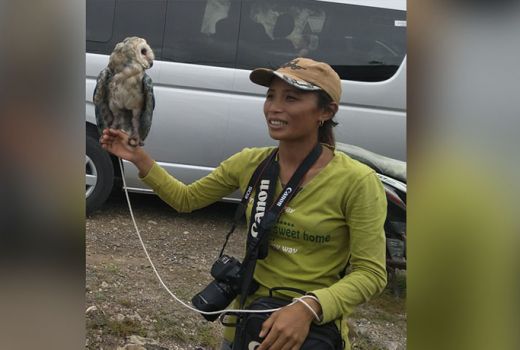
(125, 328)
(364, 344)
(96, 321)
(203, 334)
(126, 303)
(117, 328)
(169, 328)
(112, 268)
(99, 296)
(206, 336)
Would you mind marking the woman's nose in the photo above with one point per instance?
(273, 105)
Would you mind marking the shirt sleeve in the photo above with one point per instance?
(366, 213)
(186, 198)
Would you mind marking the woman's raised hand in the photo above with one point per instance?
(116, 142)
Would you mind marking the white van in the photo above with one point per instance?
(207, 109)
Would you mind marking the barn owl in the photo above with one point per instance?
(123, 96)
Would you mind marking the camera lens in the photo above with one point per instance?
(216, 296)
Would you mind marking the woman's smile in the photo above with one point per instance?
(291, 114)
(276, 123)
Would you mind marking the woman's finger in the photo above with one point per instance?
(268, 332)
(282, 343)
(119, 133)
(290, 345)
(105, 137)
(266, 326)
(268, 341)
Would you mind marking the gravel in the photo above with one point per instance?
(127, 308)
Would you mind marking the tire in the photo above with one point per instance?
(99, 175)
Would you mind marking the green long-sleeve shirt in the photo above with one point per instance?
(337, 217)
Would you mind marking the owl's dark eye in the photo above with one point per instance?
(143, 51)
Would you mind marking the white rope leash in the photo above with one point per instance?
(162, 282)
(301, 300)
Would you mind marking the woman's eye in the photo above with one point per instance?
(290, 98)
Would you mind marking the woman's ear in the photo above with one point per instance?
(330, 111)
(334, 108)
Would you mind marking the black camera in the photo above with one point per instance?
(227, 272)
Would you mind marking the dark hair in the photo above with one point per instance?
(325, 132)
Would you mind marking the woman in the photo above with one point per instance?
(335, 219)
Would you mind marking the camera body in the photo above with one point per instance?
(227, 272)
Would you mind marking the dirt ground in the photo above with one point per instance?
(126, 306)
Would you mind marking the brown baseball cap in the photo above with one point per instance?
(302, 73)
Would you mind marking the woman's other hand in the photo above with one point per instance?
(287, 328)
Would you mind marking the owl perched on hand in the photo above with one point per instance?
(124, 92)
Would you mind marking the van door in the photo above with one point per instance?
(192, 91)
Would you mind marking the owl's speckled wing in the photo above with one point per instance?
(103, 114)
(145, 122)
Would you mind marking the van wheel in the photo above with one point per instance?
(99, 175)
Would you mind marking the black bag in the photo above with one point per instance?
(320, 337)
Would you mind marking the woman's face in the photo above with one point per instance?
(292, 114)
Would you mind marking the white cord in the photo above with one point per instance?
(301, 300)
(159, 277)
(308, 307)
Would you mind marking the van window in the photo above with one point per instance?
(361, 43)
(100, 15)
(202, 32)
(143, 18)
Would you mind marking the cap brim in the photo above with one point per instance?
(264, 77)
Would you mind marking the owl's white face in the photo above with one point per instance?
(130, 51)
(144, 54)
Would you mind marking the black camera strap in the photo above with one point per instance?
(242, 206)
(262, 220)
